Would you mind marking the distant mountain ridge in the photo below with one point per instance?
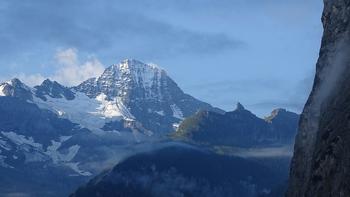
(240, 128)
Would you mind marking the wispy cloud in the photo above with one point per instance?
(186, 37)
(68, 69)
(18, 194)
(71, 71)
(109, 29)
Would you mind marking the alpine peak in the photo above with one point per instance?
(279, 113)
(15, 88)
(239, 107)
(53, 89)
(15, 82)
(146, 91)
(133, 65)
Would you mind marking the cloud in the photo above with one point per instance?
(110, 30)
(67, 57)
(68, 70)
(178, 34)
(17, 194)
(71, 71)
(284, 151)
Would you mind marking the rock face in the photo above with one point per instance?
(15, 88)
(240, 128)
(147, 92)
(321, 163)
(36, 150)
(284, 125)
(54, 90)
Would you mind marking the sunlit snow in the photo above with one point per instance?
(89, 113)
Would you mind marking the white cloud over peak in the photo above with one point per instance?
(69, 70)
(67, 56)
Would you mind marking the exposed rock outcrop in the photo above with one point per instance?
(321, 163)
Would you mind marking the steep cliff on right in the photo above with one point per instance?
(321, 162)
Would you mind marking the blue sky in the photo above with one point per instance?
(259, 52)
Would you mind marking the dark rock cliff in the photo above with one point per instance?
(321, 163)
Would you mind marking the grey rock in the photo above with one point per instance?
(54, 90)
(321, 162)
(147, 92)
(15, 88)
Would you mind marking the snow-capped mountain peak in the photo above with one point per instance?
(120, 79)
(77, 130)
(132, 64)
(146, 91)
(135, 68)
(54, 90)
(128, 91)
(132, 74)
(15, 83)
(15, 88)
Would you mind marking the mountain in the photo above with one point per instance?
(241, 146)
(240, 128)
(181, 170)
(54, 138)
(144, 92)
(129, 94)
(284, 125)
(53, 90)
(51, 132)
(36, 150)
(15, 88)
(321, 162)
